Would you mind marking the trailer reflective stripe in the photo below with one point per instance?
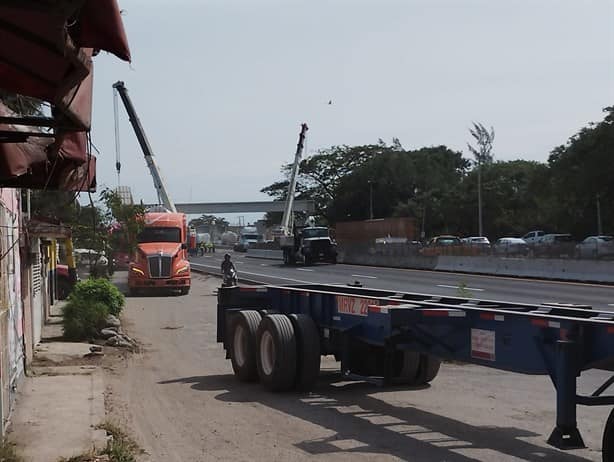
(492, 317)
(378, 309)
(546, 323)
(444, 313)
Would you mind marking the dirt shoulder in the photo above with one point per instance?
(181, 401)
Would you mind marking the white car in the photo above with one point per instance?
(476, 241)
(88, 257)
(596, 247)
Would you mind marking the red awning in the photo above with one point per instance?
(46, 49)
(45, 52)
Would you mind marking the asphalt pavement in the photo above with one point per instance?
(516, 290)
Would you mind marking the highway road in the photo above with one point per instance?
(428, 282)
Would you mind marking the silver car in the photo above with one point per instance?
(596, 247)
(509, 246)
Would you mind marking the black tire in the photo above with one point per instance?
(607, 445)
(276, 357)
(308, 351)
(133, 292)
(185, 290)
(428, 370)
(409, 366)
(243, 350)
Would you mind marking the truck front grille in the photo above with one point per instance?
(159, 266)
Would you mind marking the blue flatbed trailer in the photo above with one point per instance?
(276, 334)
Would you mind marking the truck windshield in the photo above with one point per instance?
(250, 237)
(160, 234)
(315, 232)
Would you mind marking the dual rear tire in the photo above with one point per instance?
(283, 352)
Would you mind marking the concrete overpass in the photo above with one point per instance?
(212, 208)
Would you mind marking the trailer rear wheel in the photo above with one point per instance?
(428, 370)
(409, 367)
(244, 327)
(276, 358)
(607, 446)
(308, 351)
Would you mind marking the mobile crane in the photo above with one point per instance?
(161, 261)
(308, 243)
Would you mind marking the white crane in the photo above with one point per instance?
(161, 190)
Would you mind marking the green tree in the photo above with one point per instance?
(581, 174)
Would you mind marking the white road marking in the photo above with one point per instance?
(264, 264)
(363, 276)
(458, 287)
(304, 269)
(240, 262)
(259, 274)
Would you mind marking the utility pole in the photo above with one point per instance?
(599, 226)
(371, 200)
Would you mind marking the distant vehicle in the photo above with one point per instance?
(510, 246)
(249, 236)
(476, 241)
(595, 247)
(439, 245)
(555, 245)
(533, 237)
(391, 240)
(89, 257)
(444, 241)
(229, 238)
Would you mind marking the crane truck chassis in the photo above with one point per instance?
(277, 334)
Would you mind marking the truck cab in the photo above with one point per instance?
(309, 244)
(161, 260)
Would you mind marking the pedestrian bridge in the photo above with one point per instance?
(201, 208)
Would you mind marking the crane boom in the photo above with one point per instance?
(287, 216)
(159, 185)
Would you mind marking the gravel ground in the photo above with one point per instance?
(182, 403)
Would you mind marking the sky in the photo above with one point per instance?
(222, 86)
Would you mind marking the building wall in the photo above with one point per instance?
(11, 306)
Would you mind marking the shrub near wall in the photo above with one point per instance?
(88, 306)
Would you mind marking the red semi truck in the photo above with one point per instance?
(161, 260)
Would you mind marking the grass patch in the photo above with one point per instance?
(121, 447)
(89, 457)
(8, 453)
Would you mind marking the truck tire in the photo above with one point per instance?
(428, 370)
(243, 330)
(607, 445)
(307, 351)
(276, 357)
(185, 290)
(409, 368)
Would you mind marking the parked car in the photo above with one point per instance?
(480, 241)
(533, 237)
(596, 247)
(510, 246)
(555, 245)
(88, 257)
(440, 245)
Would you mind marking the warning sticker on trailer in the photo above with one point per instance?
(354, 306)
(483, 344)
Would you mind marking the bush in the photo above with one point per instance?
(100, 290)
(83, 318)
